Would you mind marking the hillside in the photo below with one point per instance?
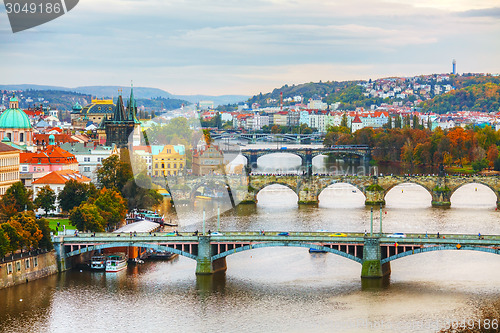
(438, 93)
(483, 97)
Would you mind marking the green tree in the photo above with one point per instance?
(397, 122)
(112, 207)
(15, 238)
(140, 194)
(114, 173)
(344, 122)
(46, 241)
(74, 193)
(4, 243)
(46, 199)
(87, 217)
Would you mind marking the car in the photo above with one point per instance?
(283, 234)
(216, 233)
(397, 235)
(338, 234)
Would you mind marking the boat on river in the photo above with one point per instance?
(116, 262)
(98, 263)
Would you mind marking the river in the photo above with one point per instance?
(283, 289)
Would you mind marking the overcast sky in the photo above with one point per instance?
(245, 46)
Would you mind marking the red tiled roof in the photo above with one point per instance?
(51, 155)
(61, 138)
(61, 177)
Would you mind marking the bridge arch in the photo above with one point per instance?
(283, 244)
(420, 185)
(223, 184)
(450, 247)
(157, 247)
(277, 182)
(335, 182)
(478, 182)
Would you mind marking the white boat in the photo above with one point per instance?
(98, 262)
(116, 262)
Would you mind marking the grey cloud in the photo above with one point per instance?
(488, 12)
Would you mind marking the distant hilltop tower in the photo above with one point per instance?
(454, 63)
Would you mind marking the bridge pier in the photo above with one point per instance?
(204, 263)
(62, 263)
(373, 272)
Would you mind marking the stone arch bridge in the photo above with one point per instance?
(244, 189)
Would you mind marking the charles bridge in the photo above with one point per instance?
(244, 188)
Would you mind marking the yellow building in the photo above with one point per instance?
(9, 167)
(168, 162)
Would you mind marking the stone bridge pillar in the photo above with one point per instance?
(204, 263)
(62, 263)
(375, 194)
(372, 268)
(308, 192)
(441, 193)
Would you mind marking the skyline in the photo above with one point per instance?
(235, 47)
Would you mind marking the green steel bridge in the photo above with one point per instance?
(374, 252)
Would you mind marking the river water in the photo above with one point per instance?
(283, 289)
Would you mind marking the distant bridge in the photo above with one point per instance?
(267, 137)
(307, 154)
(374, 253)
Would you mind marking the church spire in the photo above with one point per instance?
(132, 106)
(119, 114)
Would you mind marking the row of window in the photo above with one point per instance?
(168, 166)
(27, 265)
(9, 161)
(168, 173)
(6, 176)
(88, 159)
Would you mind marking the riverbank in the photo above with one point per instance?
(27, 266)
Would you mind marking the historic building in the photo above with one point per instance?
(53, 158)
(124, 121)
(95, 112)
(56, 180)
(9, 167)
(208, 160)
(89, 156)
(169, 162)
(15, 125)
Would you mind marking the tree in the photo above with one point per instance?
(114, 173)
(112, 207)
(26, 226)
(397, 122)
(4, 243)
(74, 193)
(140, 194)
(16, 199)
(344, 121)
(46, 199)
(275, 129)
(87, 217)
(492, 155)
(46, 241)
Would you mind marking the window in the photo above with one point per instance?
(175, 165)
(9, 268)
(99, 159)
(21, 137)
(86, 159)
(18, 266)
(35, 262)
(168, 165)
(86, 169)
(27, 263)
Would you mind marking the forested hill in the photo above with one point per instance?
(484, 97)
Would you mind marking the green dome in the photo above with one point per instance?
(14, 118)
(77, 107)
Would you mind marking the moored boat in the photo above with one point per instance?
(116, 262)
(98, 262)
